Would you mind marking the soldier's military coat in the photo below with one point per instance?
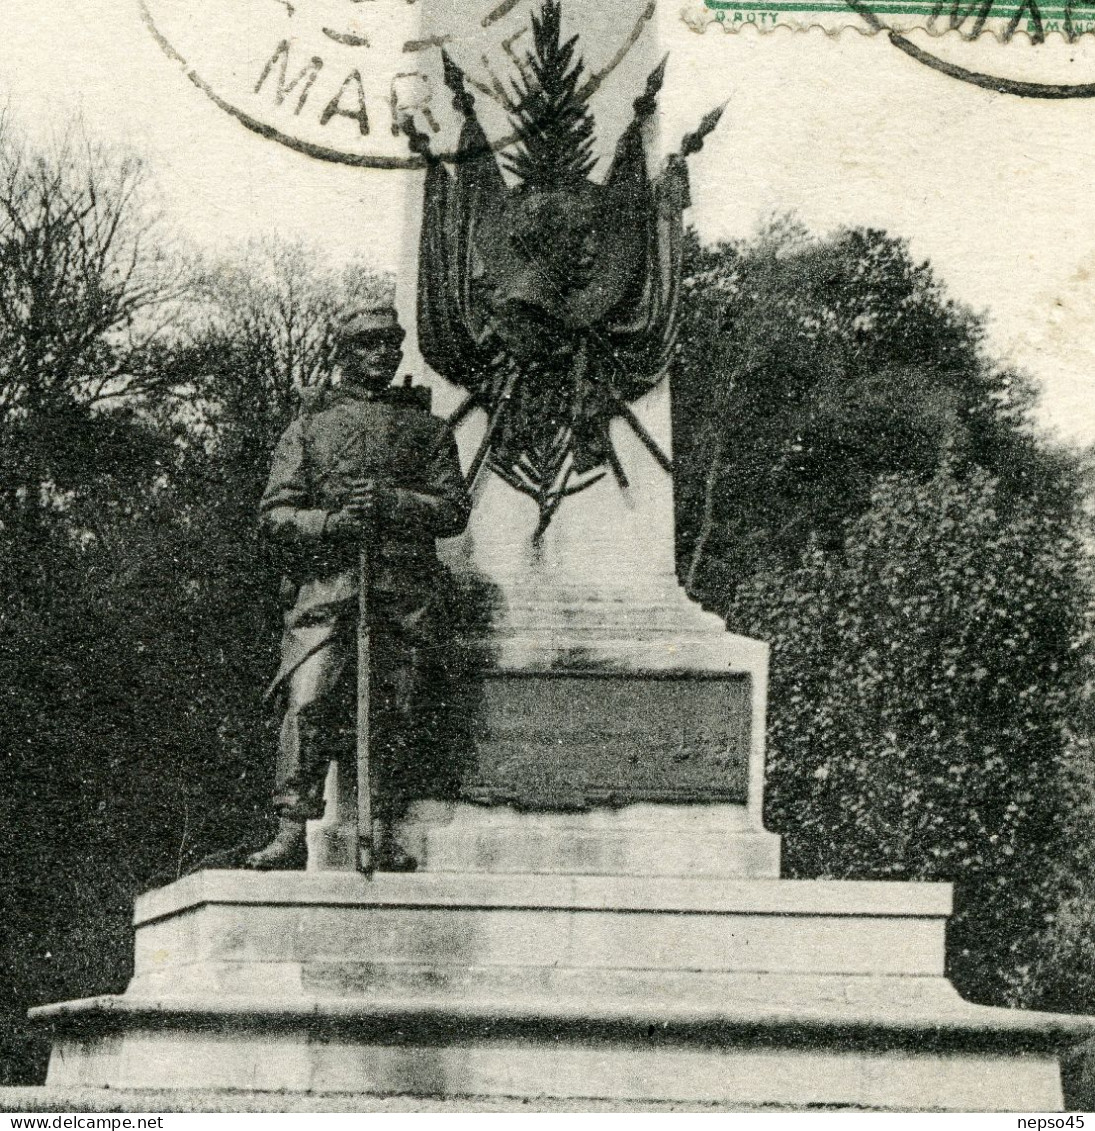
(317, 460)
(412, 457)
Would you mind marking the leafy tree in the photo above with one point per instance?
(270, 315)
(859, 484)
(807, 368)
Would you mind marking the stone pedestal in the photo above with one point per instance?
(696, 841)
(615, 989)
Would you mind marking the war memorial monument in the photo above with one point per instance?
(601, 915)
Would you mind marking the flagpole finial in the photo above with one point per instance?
(693, 142)
(454, 80)
(647, 102)
(417, 139)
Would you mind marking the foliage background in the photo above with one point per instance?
(141, 391)
(864, 488)
(858, 483)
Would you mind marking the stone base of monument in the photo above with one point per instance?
(601, 922)
(608, 988)
(629, 945)
(638, 840)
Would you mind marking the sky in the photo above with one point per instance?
(995, 190)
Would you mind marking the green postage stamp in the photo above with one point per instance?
(968, 20)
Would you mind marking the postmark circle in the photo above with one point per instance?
(1020, 87)
(333, 79)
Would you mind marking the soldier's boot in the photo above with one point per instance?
(388, 854)
(287, 852)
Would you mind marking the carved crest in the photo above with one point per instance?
(549, 297)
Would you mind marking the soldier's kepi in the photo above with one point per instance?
(359, 479)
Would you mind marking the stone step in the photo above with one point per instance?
(552, 988)
(960, 1059)
(522, 847)
(102, 1100)
(339, 978)
(540, 922)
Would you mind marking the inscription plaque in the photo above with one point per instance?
(572, 740)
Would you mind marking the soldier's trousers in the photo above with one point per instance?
(320, 721)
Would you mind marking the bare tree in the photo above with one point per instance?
(89, 290)
(271, 311)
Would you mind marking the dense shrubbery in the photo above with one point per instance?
(130, 741)
(861, 486)
(925, 679)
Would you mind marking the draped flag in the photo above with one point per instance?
(551, 300)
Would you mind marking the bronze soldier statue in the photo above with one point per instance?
(360, 469)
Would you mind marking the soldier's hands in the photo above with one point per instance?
(366, 502)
